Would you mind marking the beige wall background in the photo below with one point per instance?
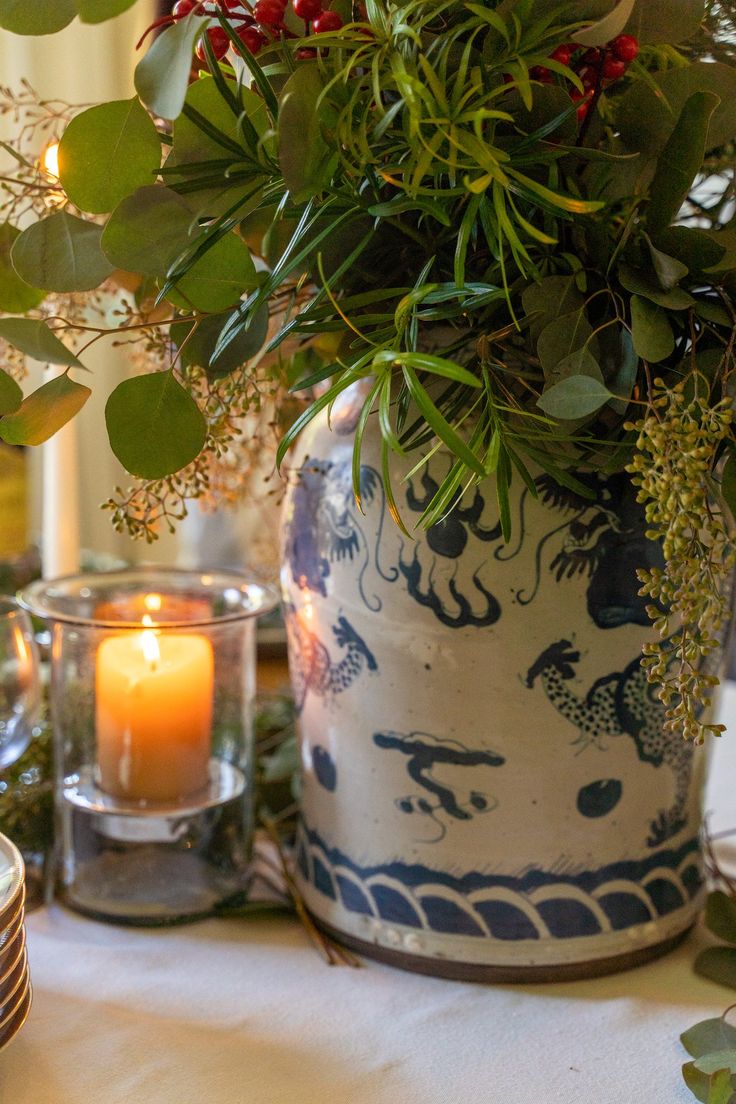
(88, 64)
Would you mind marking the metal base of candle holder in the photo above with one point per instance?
(130, 863)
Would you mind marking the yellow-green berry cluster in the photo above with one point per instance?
(678, 444)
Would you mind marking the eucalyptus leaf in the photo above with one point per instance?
(147, 231)
(97, 11)
(154, 425)
(647, 116)
(304, 156)
(720, 1090)
(697, 1081)
(714, 312)
(707, 361)
(622, 380)
(727, 239)
(218, 278)
(717, 1060)
(670, 21)
(162, 75)
(16, 296)
(709, 1035)
(192, 143)
(548, 299)
(44, 412)
(34, 338)
(709, 1080)
(580, 363)
(720, 908)
(11, 395)
(680, 160)
(697, 249)
(610, 26)
(650, 330)
(669, 269)
(106, 153)
(574, 397)
(200, 347)
(36, 17)
(61, 253)
(644, 283)
(561, 337)
(717, 963)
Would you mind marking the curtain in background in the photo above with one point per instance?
(89, 64)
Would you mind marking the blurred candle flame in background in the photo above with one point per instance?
(50, 160)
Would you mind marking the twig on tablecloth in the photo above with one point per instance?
(334, 954)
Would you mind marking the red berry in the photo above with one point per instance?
(589, 77)
(592, 57)
(613, 68)
(219, 42)
(562, 54)
(541, 73)
(327, 21)
(307, 9)
(232, 5)
(576, 95)
(625, 47)
(306, 53)
(253, 39)
(582, 110)
(182, 8)
(269, 13)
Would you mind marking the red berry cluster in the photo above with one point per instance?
(596, 67)
(260, 24)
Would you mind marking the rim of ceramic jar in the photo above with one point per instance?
(256, 597)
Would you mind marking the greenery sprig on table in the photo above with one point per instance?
(481, 208)
(711, 1072)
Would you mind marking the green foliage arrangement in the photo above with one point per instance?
(711, 1072)
(493, 211)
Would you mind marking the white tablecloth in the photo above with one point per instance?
(246, 1013)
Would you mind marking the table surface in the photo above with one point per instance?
(245, 1012)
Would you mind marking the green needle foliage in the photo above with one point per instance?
(458, 203)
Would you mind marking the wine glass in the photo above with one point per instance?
(20, 682)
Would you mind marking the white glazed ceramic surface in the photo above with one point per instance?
(485, 776)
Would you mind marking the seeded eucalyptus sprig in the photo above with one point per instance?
(674, 465)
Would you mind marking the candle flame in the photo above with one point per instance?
(50, 160)
(153, 603)
(149, 643)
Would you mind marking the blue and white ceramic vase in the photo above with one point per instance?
(487, 789)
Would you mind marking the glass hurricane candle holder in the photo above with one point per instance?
(152, 693)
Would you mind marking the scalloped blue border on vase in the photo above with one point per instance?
(536, 905)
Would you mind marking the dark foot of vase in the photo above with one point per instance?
(503, 975)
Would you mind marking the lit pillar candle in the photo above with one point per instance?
(153, 709)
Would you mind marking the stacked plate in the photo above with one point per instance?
(15, 981)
